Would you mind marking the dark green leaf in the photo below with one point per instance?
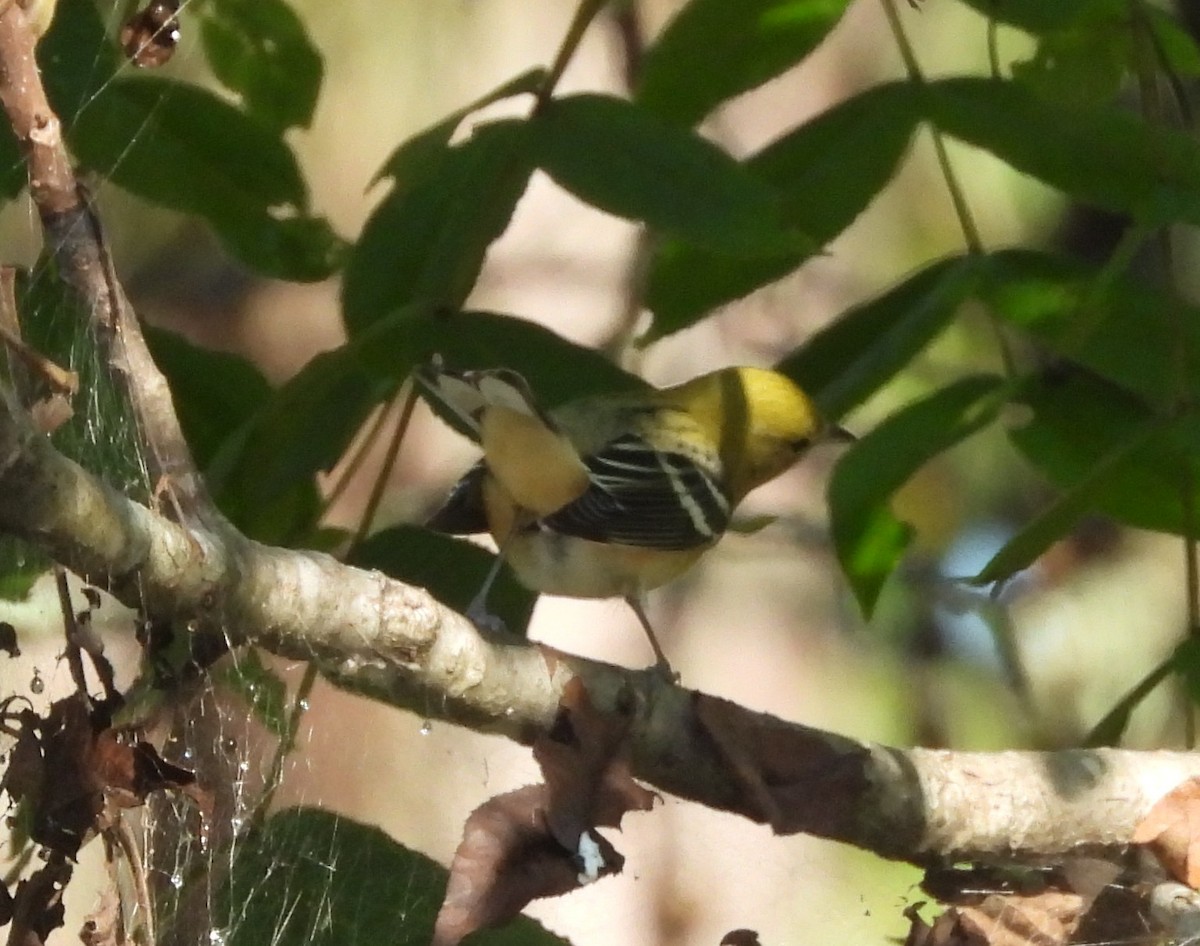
(1186, 662)
(1118, 326)
(556, 369)
(713, 50)
(263, 690)
(309, 877)
(1057, 521)
(182, 147)
(261, 50)
(76, 56)
(854, 356)
(826, 172)
(423, 152)
(21, 564)
(214, 392)
(1097, 154)
(305, 427)
(1036, 16)
(1109, 730)
(426, 241)
(1081, 422)
(868, 538)
(452, 570)
(625, 161)
(1085, 63)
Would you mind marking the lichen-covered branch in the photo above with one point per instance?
(394, 642)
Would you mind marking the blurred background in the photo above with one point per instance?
(766, 619)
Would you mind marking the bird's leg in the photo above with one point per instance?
(477, 611)
(661, 664)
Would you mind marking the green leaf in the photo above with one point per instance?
(214, 392)
(1036, 16)
(826, 172)
(452, 570)
(1118, 326)
(426, 241)
(1085, 63)
(1057, 521)
(183, 148)
(869, 540)
(262, 689)
(422, 153)
(858, 353)
(1109, 730)
(307, 424)
(557, 370)
(713, 50)
(625, 161)
(261, 50)
(1081, 422)
(304, 427)
(76, 57)
(309, 877)
(1097, 154)
(21, 564)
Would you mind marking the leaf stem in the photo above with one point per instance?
(962, 209)
(379, 487)
(584, 14)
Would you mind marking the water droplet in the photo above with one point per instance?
(177, 880)
(304, 704)
(217, 937)
(426, 728)
(37, 684)
(229, 744)
(243, 767)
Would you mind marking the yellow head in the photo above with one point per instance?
(761, 419)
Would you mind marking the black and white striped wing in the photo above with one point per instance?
(645, 497)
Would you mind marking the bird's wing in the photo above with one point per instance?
(645, 496)
(463, 512)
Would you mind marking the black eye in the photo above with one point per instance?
(799, 446)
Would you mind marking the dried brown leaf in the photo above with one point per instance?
(540, 841)
(800, 780)
(1171, 831)
(508, 857)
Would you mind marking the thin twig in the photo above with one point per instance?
(125, 840)
(379, 487)
(584, 14)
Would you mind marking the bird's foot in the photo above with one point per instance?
(479, 615)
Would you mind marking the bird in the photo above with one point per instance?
(613, 495)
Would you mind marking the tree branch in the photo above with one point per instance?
(393, 642)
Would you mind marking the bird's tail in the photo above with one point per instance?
(460, 397)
